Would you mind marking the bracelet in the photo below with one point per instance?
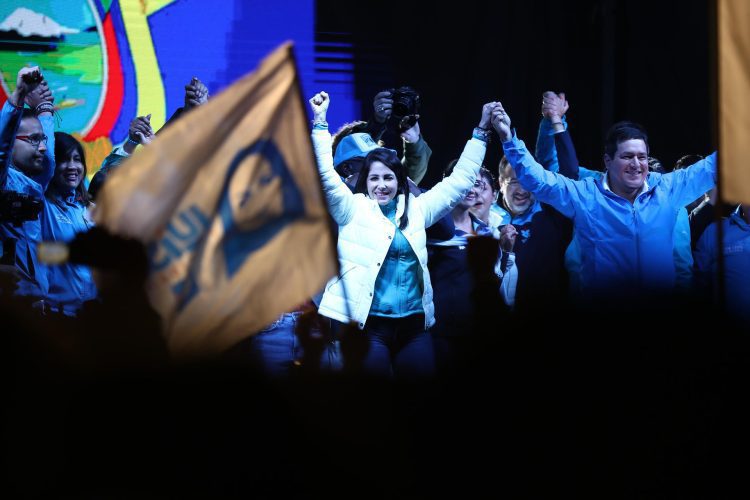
(557, 123)
(44, 107)
(482, 134)
(131, 141)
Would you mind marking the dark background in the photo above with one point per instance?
(645, 61)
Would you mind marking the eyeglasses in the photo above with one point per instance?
(33, 139)
(480, 185)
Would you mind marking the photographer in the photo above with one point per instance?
(26, 167)
(395, 109)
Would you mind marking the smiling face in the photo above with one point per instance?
(517, 199)
(382, 185)
(628, 169)
(484, 199)
(69, 172)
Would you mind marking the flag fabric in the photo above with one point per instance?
(229, 203)
(734, 98)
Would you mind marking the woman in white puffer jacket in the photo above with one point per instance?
(384, 285)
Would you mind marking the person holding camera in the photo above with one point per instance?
(384, 286)
(26, 167)
(352, 141)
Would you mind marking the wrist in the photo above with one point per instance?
(44, 107)
(482, 134)
(16, 99)
(129, 146)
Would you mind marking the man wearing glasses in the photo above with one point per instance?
(26, 166)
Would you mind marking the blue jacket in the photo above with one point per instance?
(736, 251)
(33, 276)
(547, 144)
(70, 285)
(624, 247)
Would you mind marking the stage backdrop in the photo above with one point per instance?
(108, 61)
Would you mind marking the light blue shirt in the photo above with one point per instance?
(70, 285)
(33, 281)
(398, 287)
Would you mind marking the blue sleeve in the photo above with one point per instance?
(687, 184)
(549, 187)
(566, 155)
(705, 256)
(48, 126)
(9, 121)
(683, 255)
(545, 152)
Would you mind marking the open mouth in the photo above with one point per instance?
(521, 198)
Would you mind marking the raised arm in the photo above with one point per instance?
(552, 122)
(508, 273)
(40, 100)
(687, 184)
(549, 187)
(382, 107)
(416, 154)
(339, 197)
(10, 117)
(446, 194)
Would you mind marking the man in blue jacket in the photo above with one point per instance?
(625, 220)
(26, 166)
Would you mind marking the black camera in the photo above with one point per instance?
(406, 104)
(17, 208)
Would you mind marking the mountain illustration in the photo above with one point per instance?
(27, 30)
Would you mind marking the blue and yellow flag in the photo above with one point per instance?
(733, 41)
(229, 202)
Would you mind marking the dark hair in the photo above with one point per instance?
(654, 165)
(389, 158)
(489, 178)
(621, 132)
(686, 161)
(65, 146)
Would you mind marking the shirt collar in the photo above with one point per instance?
(605, 184)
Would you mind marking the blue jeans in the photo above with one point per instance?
(276, 349)
(399, 348)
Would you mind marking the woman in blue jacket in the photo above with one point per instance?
(65, 215)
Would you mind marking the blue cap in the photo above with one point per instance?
(353, 146)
